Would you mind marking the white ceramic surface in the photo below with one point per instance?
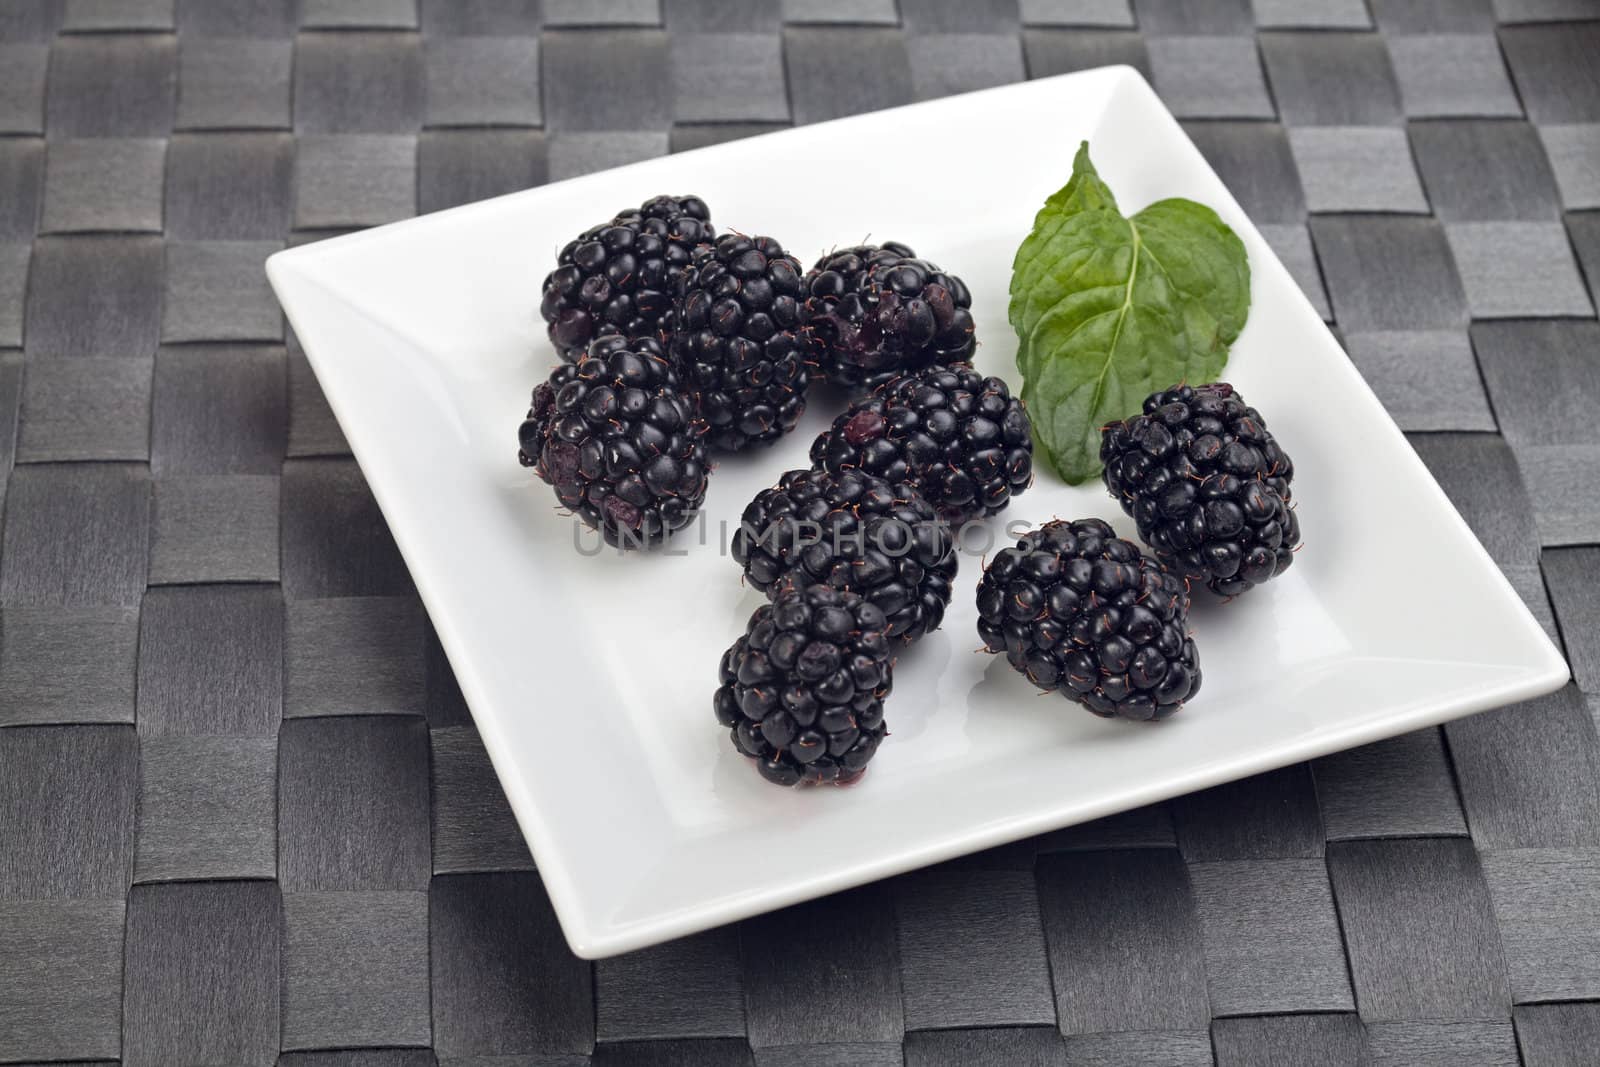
(590, 677)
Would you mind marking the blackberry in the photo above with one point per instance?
(618, 278)
(1207, 485)
(736, 340)
(856, 532)
(962, 438)
(802, 691)
(875, 311)
(618, 441)
(1080, 611)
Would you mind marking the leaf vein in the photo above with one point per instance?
(1122, 318)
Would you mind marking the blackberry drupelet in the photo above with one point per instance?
(736, 342)
(875, 311)
(1207, 485)
(802, 691)
(618, 441)
(962, 438)
(618, 278)
(856, 532)
(1080, 611)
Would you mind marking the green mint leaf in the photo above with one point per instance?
(1037, 280)
(1109, 309)
(1205, 262)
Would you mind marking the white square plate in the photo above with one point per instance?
(590, 676)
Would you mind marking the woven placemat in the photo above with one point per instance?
(244, 816)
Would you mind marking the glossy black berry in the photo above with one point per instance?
(802, 691)
(875, 311)
(619, 442)
(960, 437)
(1082, 612)
(618, 278)
(1207, 484)
(736, 342)
(855, 532)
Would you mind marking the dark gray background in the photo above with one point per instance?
(242, 808)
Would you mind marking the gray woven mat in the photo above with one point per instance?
(243, 813)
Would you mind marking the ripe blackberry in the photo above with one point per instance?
(736, 340)
(1083, 612)
(856, 532)
(962, 438)
(876, 311)
(1207, 485)
(618, 278)
(802, 691)
(618, 441)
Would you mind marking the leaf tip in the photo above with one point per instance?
(1082, 165)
